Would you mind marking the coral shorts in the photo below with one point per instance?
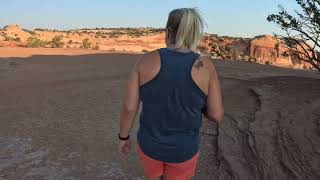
(171, 171)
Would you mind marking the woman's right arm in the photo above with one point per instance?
(214, 110)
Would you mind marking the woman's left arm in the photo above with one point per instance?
(131, 103)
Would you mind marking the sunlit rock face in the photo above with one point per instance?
(263, 49)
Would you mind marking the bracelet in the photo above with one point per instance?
(123, 139)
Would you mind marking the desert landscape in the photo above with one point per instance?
(263, 49)
(61, 91)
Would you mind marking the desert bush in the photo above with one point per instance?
(96, 47)
(135, 33)
(70, 41)
(7, 38)
(112, 35)
(86, 43)
(30, 32)
(39, 29)
(17, 39)
(35, 42)
(99, 33)
(267, 63)
(56, 42)
(301, 29)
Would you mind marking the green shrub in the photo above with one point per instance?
(114, 34)
(99, 33)
(56, 42)
(86, 43)
(35, 42)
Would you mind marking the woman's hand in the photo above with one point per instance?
(124, 147)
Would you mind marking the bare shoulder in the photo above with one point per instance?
(204, 62)
(148, 58)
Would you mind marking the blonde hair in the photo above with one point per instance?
(186, 27)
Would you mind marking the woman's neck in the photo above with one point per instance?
(181, 49)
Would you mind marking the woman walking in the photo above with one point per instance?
(176, 87)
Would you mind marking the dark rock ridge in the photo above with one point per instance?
(279, 138)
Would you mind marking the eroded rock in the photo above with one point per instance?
(282, 138)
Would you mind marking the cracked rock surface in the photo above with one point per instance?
(279, 138)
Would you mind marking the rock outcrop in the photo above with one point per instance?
(263, 49)
(121, 39)
(15, 32)
(269, 50)
(275, 135)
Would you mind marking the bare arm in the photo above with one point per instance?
(131, 103)
(215, 108)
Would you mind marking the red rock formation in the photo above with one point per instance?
(15, 31)
(269, 50)
(263, 49)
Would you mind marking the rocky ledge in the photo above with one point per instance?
(271, 130)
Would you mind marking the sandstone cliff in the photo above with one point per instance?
(269, 50)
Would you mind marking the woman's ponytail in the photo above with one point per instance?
(190, 27)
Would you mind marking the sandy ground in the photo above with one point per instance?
(28, 52)
(59, 115)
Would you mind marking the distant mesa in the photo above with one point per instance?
(264, 49)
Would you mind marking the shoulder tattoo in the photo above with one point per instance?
(198, 64)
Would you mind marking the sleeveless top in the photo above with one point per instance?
(172, 106)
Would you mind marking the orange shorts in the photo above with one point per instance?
(172, 171)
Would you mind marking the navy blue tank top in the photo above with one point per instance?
(171, 110)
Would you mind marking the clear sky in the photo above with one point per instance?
(244, 18)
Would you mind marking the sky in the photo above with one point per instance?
(239, 18)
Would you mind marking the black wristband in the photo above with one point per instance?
(123, 139)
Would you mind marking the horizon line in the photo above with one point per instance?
(119, 27)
